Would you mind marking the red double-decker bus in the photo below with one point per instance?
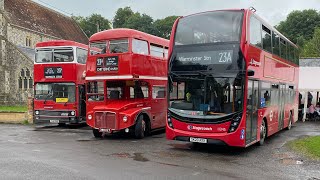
(59, 84)
(233, 79)
(126, 82)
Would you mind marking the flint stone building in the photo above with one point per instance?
(23, 23)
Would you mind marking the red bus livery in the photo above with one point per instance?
(59, 84)
(233, 79)
(126, 82)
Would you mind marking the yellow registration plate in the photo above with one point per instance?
(61, 100)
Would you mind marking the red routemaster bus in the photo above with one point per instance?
(233, 79)
(126, 82)
(59, 84)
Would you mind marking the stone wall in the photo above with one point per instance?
(12, 62)
(16, 61)
(19, 36)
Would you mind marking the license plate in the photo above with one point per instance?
(198, 140)
(54, 121)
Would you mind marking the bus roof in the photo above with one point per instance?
(61, 43)
(128, 33)
(246, 11)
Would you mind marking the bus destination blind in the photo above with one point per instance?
(205, 57)
(53, 72)
(107, 64)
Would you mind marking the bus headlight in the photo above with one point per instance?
(37, 112)
(235, 123)
(169, 120)
(125, 118)
(89, 117)
(72, 113)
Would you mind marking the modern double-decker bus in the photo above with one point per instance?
(126, 82)
(59, 83)
(233, 79)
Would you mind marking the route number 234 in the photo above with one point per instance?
(225, 57)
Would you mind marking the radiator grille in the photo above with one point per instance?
(105, 120)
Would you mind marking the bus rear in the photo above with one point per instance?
(207, 72)
(59, 85)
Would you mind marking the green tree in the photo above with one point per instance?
(163, 26)
(93, 23)
(140, 22)
(300, 24)
(312, 47)
(122, 15)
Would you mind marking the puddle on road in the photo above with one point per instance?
(290, 161)
(139, 157)
(169, 154)
(181, 146)
(135, 156)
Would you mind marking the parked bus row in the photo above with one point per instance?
(228, 78)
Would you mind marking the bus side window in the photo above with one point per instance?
(140, 47)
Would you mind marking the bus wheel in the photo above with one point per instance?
(290, 122)
(96, 133)
(263, 132)
(140, 128)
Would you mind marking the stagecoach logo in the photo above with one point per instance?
(271, 115)
(253, 62)
(190, 127)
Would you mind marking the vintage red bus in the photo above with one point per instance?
(126, 82)
(59, 84)
(233, 79)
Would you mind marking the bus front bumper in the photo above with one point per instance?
(229, 139)
(38, 120)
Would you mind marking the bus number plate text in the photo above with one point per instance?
(198, 140)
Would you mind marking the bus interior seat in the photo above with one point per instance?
(161, 94)
(114, 94)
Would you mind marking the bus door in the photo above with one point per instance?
(252, 111)
(282, 101)
(82, 103)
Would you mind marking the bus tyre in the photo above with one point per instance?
(96, 133)
(290, 122)
(263, 132)
(140, 128)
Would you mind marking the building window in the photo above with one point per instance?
(27, 73)
(30, 83)
(25, 80)
(25, 83)
(28, 41)
(20, 83)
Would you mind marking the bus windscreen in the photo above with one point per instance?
(209, 27)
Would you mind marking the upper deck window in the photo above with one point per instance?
(156, 51)
(100, 46)
(119, 46)
(82, 56)
(55, 55)
(255, 32)
(209, 27)
(140, 47)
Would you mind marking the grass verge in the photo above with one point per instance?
(309, 146)
(13, 108)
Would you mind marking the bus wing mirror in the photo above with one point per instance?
(250, 72)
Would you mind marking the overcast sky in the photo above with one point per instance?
(272, 10)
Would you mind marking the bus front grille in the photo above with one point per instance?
(105, 120)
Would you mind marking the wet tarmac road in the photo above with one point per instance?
(62, 153)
